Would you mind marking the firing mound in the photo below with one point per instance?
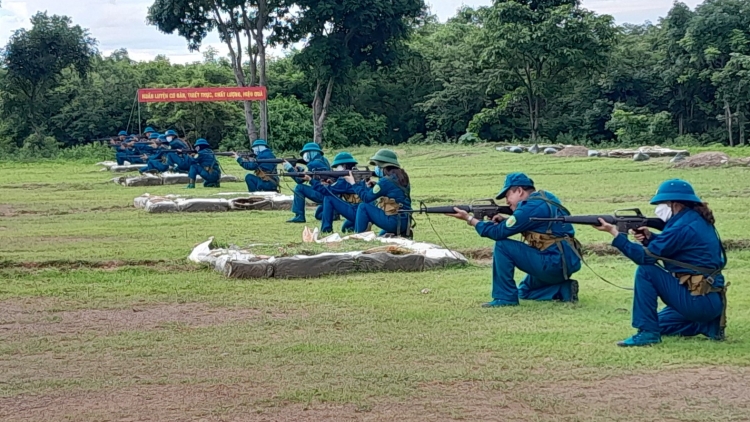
(704, 159)
(573, 151)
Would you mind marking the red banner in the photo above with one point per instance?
(166, 95)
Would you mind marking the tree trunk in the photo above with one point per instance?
(681, 124)
(535, 132)
(320, 109)
(741, 124)
(262, 71)
(728, 118)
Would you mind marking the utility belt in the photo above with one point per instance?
(391, 207)
(388, 205)
(542, 241)
(698, 284)
(266, 177)
(351, 198)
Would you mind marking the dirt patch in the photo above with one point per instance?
(24, 318)
(7, 211)
(64, 264)
(681, 394)
(139, 403)
(573, 151)
(711, 391)
(705, 159)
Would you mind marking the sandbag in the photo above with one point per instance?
(126, 168)
(161, 206)
(302, 266)
(202, 205)
(249, 269)
(383, 261)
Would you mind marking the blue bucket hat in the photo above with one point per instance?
(202, 143)
(122, 133)
(259, 143)
(170, 132)
(163, 139)
(149, 129)
(153, 135)
(310, 147)
(343, 158)
(675, 190)
(512, 180)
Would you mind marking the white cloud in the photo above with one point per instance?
(122, 23)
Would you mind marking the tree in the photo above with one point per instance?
(717, 29)
(539, 45)
(35, 61)
(234, 20)
(342, 35)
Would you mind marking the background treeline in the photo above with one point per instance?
(540, 70)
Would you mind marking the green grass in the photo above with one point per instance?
(360, 339)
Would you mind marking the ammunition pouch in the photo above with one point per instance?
(388, 205)
(697, 284)
(700, 285)
(265, 176)
(542, 241)
(351, 198)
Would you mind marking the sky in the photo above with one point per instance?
(122, 23)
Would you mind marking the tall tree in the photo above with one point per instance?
(240, 25)
(35, 61)
(718, 29)
(343, 34)
(538, 45)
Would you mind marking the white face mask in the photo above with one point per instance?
(260, 148)
(664, 212)
(307, 156)
(340, 167)
(170, 138)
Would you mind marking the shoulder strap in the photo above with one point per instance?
(710, 272)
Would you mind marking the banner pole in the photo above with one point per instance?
(139, 117)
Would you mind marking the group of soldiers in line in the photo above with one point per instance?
(682, 265)
(361, 203)
(167, 152)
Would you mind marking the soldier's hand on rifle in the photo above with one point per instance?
(306, 178)
(370, 183)
(144, 156)
(460, 214)
(498, 218)
(606, 227)
(349, 178)
(235, 155)
(641, 234)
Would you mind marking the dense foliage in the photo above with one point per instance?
(520, 69)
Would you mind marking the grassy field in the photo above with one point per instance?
(102, 317)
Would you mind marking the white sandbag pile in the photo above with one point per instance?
(237, 201)
(407, 255)
(167, 178)
(651, 151)
(116, 168)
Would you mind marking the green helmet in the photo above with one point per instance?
(675, 190)
(310, 147)
(385, 158)
(259, 142)
(343, 158)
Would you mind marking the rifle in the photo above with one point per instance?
(623, 222)
(358, 174)
(291, 160)
(480, 211)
